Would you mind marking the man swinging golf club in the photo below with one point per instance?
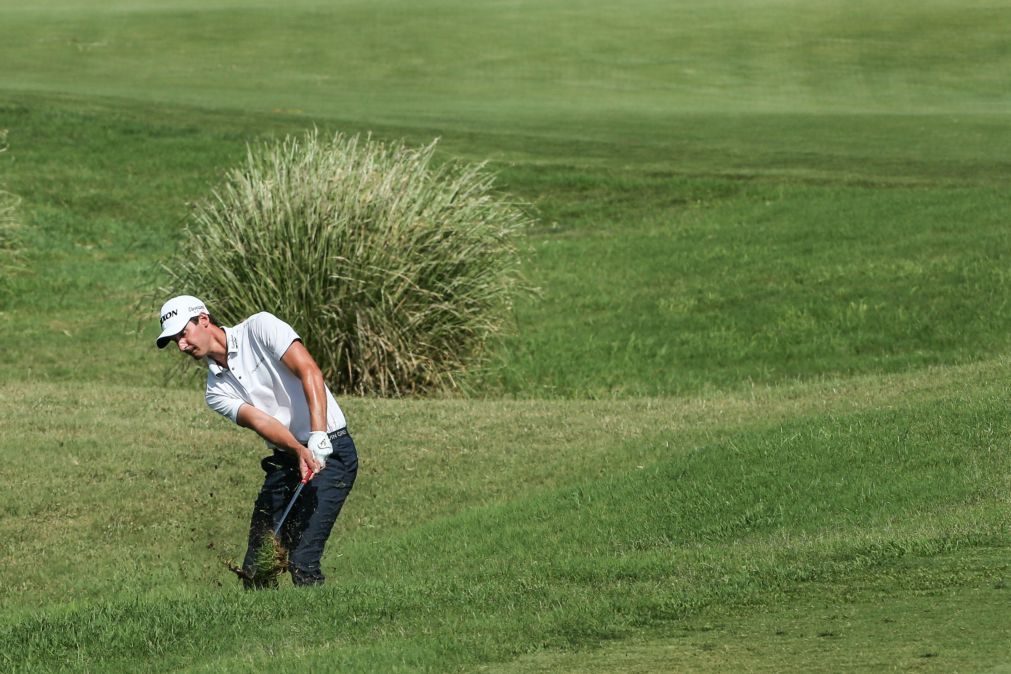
(261, 376)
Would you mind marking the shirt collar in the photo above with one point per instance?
(232, 339)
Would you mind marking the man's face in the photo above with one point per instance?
(194, 339)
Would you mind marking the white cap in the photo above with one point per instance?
(174, 315)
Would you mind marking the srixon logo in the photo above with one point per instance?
(168, 315)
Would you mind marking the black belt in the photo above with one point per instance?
(333, 435)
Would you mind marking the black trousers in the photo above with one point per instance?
(308, 526)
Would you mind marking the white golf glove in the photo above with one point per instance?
(319, 445)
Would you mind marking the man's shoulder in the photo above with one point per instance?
(266, 328)
(261, 318)
(258, 316)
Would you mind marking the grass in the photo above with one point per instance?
(448, 60)
(756, 418)
(637, 531)
(826, 627)
(700, 280)
(766, 285)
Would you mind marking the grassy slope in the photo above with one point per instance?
(622, 529)
(763, 191)
(698, 280)
(830, 627)
(423, 461)
(679, 157)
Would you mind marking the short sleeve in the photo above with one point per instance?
(224, 404)
(273, 334)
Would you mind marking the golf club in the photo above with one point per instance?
(298, 490)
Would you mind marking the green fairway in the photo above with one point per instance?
(753, 419)
(526, 62)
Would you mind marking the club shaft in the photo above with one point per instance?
(284, 516)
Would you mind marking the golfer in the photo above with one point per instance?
(261, 376)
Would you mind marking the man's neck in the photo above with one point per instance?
(219, 347)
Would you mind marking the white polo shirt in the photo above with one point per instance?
(256, 375)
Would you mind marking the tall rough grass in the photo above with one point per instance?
(396, 271)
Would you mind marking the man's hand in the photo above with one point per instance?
(319, 445)
(278, 435)
(307, 463)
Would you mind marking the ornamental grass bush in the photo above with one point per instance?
(397, 271)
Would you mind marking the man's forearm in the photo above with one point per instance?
(277, 434)
(315, 396)
(270, 429)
